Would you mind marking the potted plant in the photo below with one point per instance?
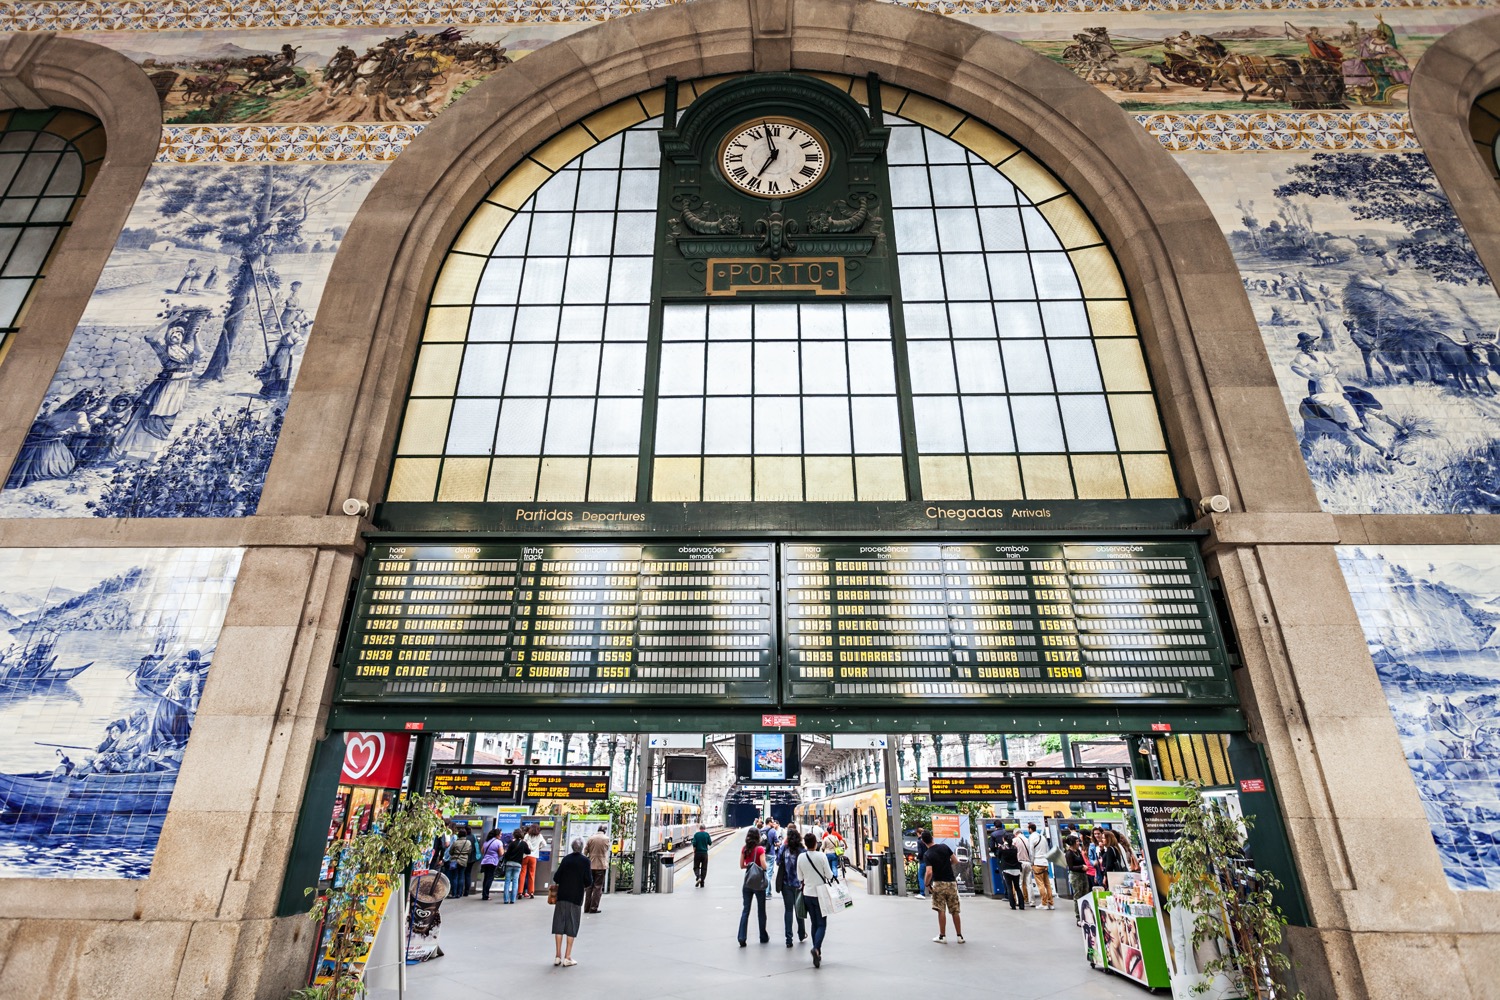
(367, 866)
(1212, 878)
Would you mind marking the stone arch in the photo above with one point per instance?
(1464, 64)
(46, 70)
(1224, 415)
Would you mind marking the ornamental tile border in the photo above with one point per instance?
(1243, 132)
(347, 143)
(170, 15)
(1281, 131)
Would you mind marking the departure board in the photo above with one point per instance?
(476, 786)
(1013, 622)
(566, 786)
(971, 788)
(1069, 788)
(576, 624)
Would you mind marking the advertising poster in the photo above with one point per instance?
(582, 826)
(375, 911)
(768, 757)
(1155, 803)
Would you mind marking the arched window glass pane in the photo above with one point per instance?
(47, 160)
(1484, 125)
(1021, 360)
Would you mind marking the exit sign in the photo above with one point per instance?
(778, 721)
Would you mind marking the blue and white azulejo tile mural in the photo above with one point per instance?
(170, 397)
(1431, 616)
(1379, 320)
(103, 658)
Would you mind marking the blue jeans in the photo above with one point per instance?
(770, 874)
(819, 922)
(512, 880)
(789, 900)
(760, 904)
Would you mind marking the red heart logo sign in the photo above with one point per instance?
(363, 754)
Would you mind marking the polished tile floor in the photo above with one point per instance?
(682, 945)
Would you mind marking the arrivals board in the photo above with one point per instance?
(563, 624)
(1016, 623)
(566, 786)
(469, 785)
(971, 788)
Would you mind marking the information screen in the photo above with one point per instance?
(476, 786)
(1019, 623)
(585, 624)
(567, 786)
(1069, 788)
(971, 788)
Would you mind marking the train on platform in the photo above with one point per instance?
(859, 816)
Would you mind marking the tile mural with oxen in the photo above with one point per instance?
(1431, 616)
(321, 74)
(1239, 60)
(103, 657)
(1380, 321)
(169, 399)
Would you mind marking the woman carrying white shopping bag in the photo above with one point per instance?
(828, 893)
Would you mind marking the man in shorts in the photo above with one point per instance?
(943, 885)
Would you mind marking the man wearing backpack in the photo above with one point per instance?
(772, 839)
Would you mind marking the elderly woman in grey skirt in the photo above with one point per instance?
(573, 877)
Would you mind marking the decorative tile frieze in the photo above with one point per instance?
(270, 143)
(1282, 131)
(176, 15)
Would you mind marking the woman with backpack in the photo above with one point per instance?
(512, 860)
(753, 861)
(789, 883)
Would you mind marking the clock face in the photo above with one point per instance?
(773, 157)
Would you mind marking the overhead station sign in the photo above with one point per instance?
(971, 788)
(469, 785)
(566, 786)
(588, 624)
(1069, 788)
(1014, 622)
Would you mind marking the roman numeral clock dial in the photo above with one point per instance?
(773, 158)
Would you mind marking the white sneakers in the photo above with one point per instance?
(567, 962)
(960, 939)
(940, 939)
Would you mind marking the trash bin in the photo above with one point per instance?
(990, 874)
(875, 875)
(668, 873)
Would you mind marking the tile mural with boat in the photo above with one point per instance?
(169, 399)
(1431, 617)
(1379, 319)
(103, 658)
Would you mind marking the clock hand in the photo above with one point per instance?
(770, 141)
(769, 160)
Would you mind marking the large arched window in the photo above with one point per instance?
(48, 159)
(1008, 368)
(1484, 124)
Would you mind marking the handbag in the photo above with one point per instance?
(552, 894)
(755, 877)
(801, 907)
(1058, 857)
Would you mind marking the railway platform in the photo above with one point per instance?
(682, 947)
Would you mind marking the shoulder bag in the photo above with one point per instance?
(833, 894)
(755, 876)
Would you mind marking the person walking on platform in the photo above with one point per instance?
(528, 865)
(572, 878)
(771, 837)
(813, 870)
(1037, 844)
(511, 861)
(460, 857)
(753, 861)
(1023, 859)
(597, 851)
(489, 861)
(833, 846)
(921, 863)
(1078, 880)
(943, 885)
(789, 884)
(1010, 870)
(701, 844)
